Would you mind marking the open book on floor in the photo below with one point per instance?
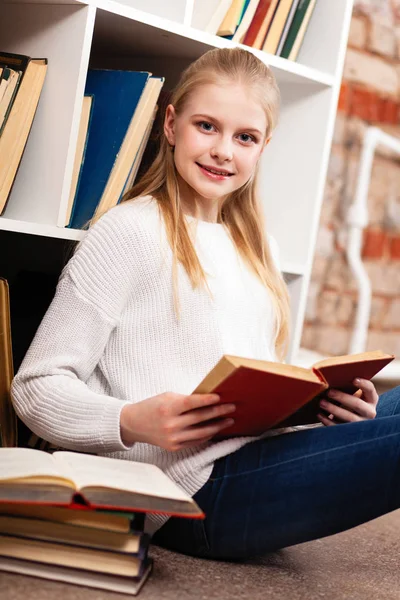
(66, 478)
(270, 394)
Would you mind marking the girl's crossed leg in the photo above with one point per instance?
(295, 487)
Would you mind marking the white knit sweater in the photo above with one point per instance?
(110, 337)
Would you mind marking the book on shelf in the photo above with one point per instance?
(68, 478)
(288, 23)
(8, 422)
(256, 22)
(129, 150)
(244, 23)
(81, 144)
(103, 581)
(298, 29)
(231, 19)
(122, 110)
(117, 94)
(18, 117)
(139, 155)
(260, 29)
(8, 88)
(277, 26)
(270, 394)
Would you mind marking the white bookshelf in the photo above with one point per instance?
(161, 37)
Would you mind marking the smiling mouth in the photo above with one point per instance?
(215, 171)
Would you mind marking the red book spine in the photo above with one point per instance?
(256, 22)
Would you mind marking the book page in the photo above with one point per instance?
(353, 359)
(17, 463)
(125, 475)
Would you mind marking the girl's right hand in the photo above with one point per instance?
(174, 421)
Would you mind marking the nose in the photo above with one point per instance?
(222, 149)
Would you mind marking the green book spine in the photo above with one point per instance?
(294, 28)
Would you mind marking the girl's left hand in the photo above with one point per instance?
(358, 407)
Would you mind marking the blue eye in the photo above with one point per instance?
(205, 126)
(246, 138)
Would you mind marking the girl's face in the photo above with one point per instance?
(218, 139)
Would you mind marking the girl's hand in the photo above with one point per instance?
(358, 407)
(174, 421)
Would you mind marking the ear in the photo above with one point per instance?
(169, 124)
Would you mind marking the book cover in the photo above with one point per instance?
(244, 23)
(77, 515)
(116, 95)
(277, 26)
(78, 557)
(130, 146)
(295, 26)
(302, 31)
(80, 153)
(19, 118)
(256, 22)
(138, 158)
(266, 394)
(266, 24)
(231, 19)
(8, 421)
(74, 535)
(288, 23)
(9, 84)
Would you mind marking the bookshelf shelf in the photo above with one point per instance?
(40, 229)
(161, 37)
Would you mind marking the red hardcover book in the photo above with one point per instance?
(268, 394)
(256, 22)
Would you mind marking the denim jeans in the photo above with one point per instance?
(295, 487)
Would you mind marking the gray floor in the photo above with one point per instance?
(360, 564)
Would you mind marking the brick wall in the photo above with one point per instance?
(370, 94)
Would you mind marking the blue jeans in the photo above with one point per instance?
(295, 487)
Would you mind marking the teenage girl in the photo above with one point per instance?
(160, 288)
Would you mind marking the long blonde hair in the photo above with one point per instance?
(240, 212)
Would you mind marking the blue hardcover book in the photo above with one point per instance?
(117, 94)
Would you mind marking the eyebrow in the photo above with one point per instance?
(210, 118)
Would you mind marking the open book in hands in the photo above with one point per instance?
(68, 478)
(269, 394)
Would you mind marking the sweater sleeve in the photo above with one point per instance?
(49, 391)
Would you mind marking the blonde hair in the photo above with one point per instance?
(240, 212)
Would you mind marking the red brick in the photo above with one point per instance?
(374, 107)
(389, 111)
(375, 244)
(395, 247)
(360, 104)
(344, 98)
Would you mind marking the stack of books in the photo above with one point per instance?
(21, 83)
(274, 26)
(80, 518)
(118, 112)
